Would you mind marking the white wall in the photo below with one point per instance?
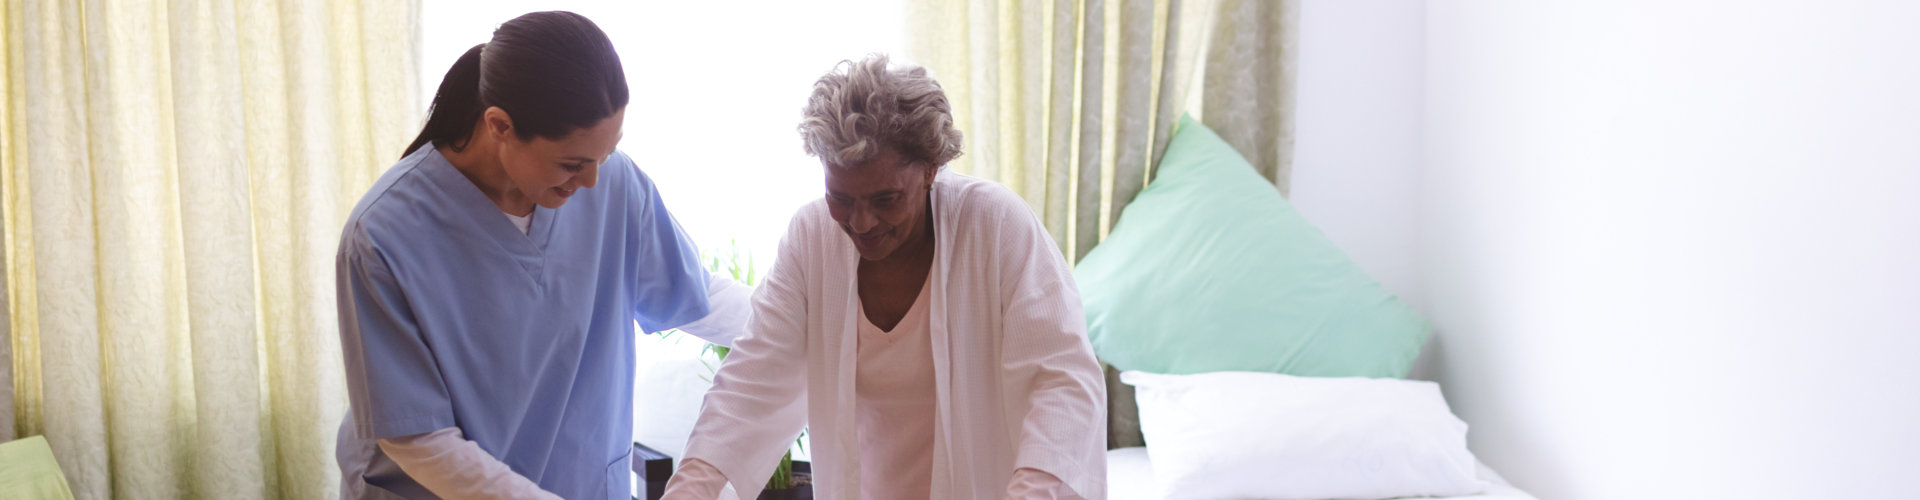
(1357, 140)
(1668, 247)
(1672, 249)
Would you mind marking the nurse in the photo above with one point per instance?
(920, 322)
(489, 283)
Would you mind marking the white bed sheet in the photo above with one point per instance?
(1130, 477)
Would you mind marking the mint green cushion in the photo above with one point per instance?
(27, 471)
(1209, 269)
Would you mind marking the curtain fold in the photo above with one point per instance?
(1071, 103)
(1247, 95)
(176, 177)
(6, 308)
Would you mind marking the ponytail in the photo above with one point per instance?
(551, 72)
(456, 106)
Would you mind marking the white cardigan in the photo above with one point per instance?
(1016, 381)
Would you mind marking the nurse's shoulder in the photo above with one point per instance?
(395, 206)
(620, 174)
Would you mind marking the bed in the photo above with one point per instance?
(1130, 477)
(1252, 356)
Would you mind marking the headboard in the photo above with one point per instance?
(1123, 414)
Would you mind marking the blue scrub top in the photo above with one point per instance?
(450, 316)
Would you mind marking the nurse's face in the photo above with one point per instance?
(549, 171)
(880, 203)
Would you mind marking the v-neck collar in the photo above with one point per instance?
(528, 249)
(916, 312)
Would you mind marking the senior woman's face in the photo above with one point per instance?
(881, 203)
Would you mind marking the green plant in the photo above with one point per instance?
(744, 273)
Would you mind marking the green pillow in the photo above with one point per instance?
(27, 470)
(1209, 269)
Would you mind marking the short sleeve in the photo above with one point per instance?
(393, 382)
(669, 283)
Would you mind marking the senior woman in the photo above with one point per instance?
(920, 321)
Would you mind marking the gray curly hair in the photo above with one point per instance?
(860, 107)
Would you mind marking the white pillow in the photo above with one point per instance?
(670, 379)
(1281, 437)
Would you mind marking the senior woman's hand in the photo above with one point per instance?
(1035, 484)
(698, 480)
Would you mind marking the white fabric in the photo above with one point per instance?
(453, 467)
(523, 222)
(1017, 382)
(670, 378)
(1267, 435)
(730, 303)
(1130, 477)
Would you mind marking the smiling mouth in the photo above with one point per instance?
(565, 193)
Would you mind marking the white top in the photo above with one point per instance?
(524, 222)
(1015, 381)
(451, 466)
(893, 402)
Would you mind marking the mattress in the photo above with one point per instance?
(1130, 477)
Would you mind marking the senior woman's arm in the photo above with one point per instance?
(1063, 436)
(756, 406)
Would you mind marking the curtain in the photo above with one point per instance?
(1071, 102)
(176, 176)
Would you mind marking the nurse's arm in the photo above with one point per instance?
(455, 468)
(729, 303)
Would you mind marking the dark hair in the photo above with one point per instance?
(552, 72)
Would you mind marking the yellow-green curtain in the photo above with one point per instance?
(176, 175)
(1071, 102)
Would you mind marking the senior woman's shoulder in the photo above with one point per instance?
(979, 197)
(811, 217)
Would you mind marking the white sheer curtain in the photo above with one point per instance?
(176, 175)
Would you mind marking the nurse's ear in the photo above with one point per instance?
(498, 125)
